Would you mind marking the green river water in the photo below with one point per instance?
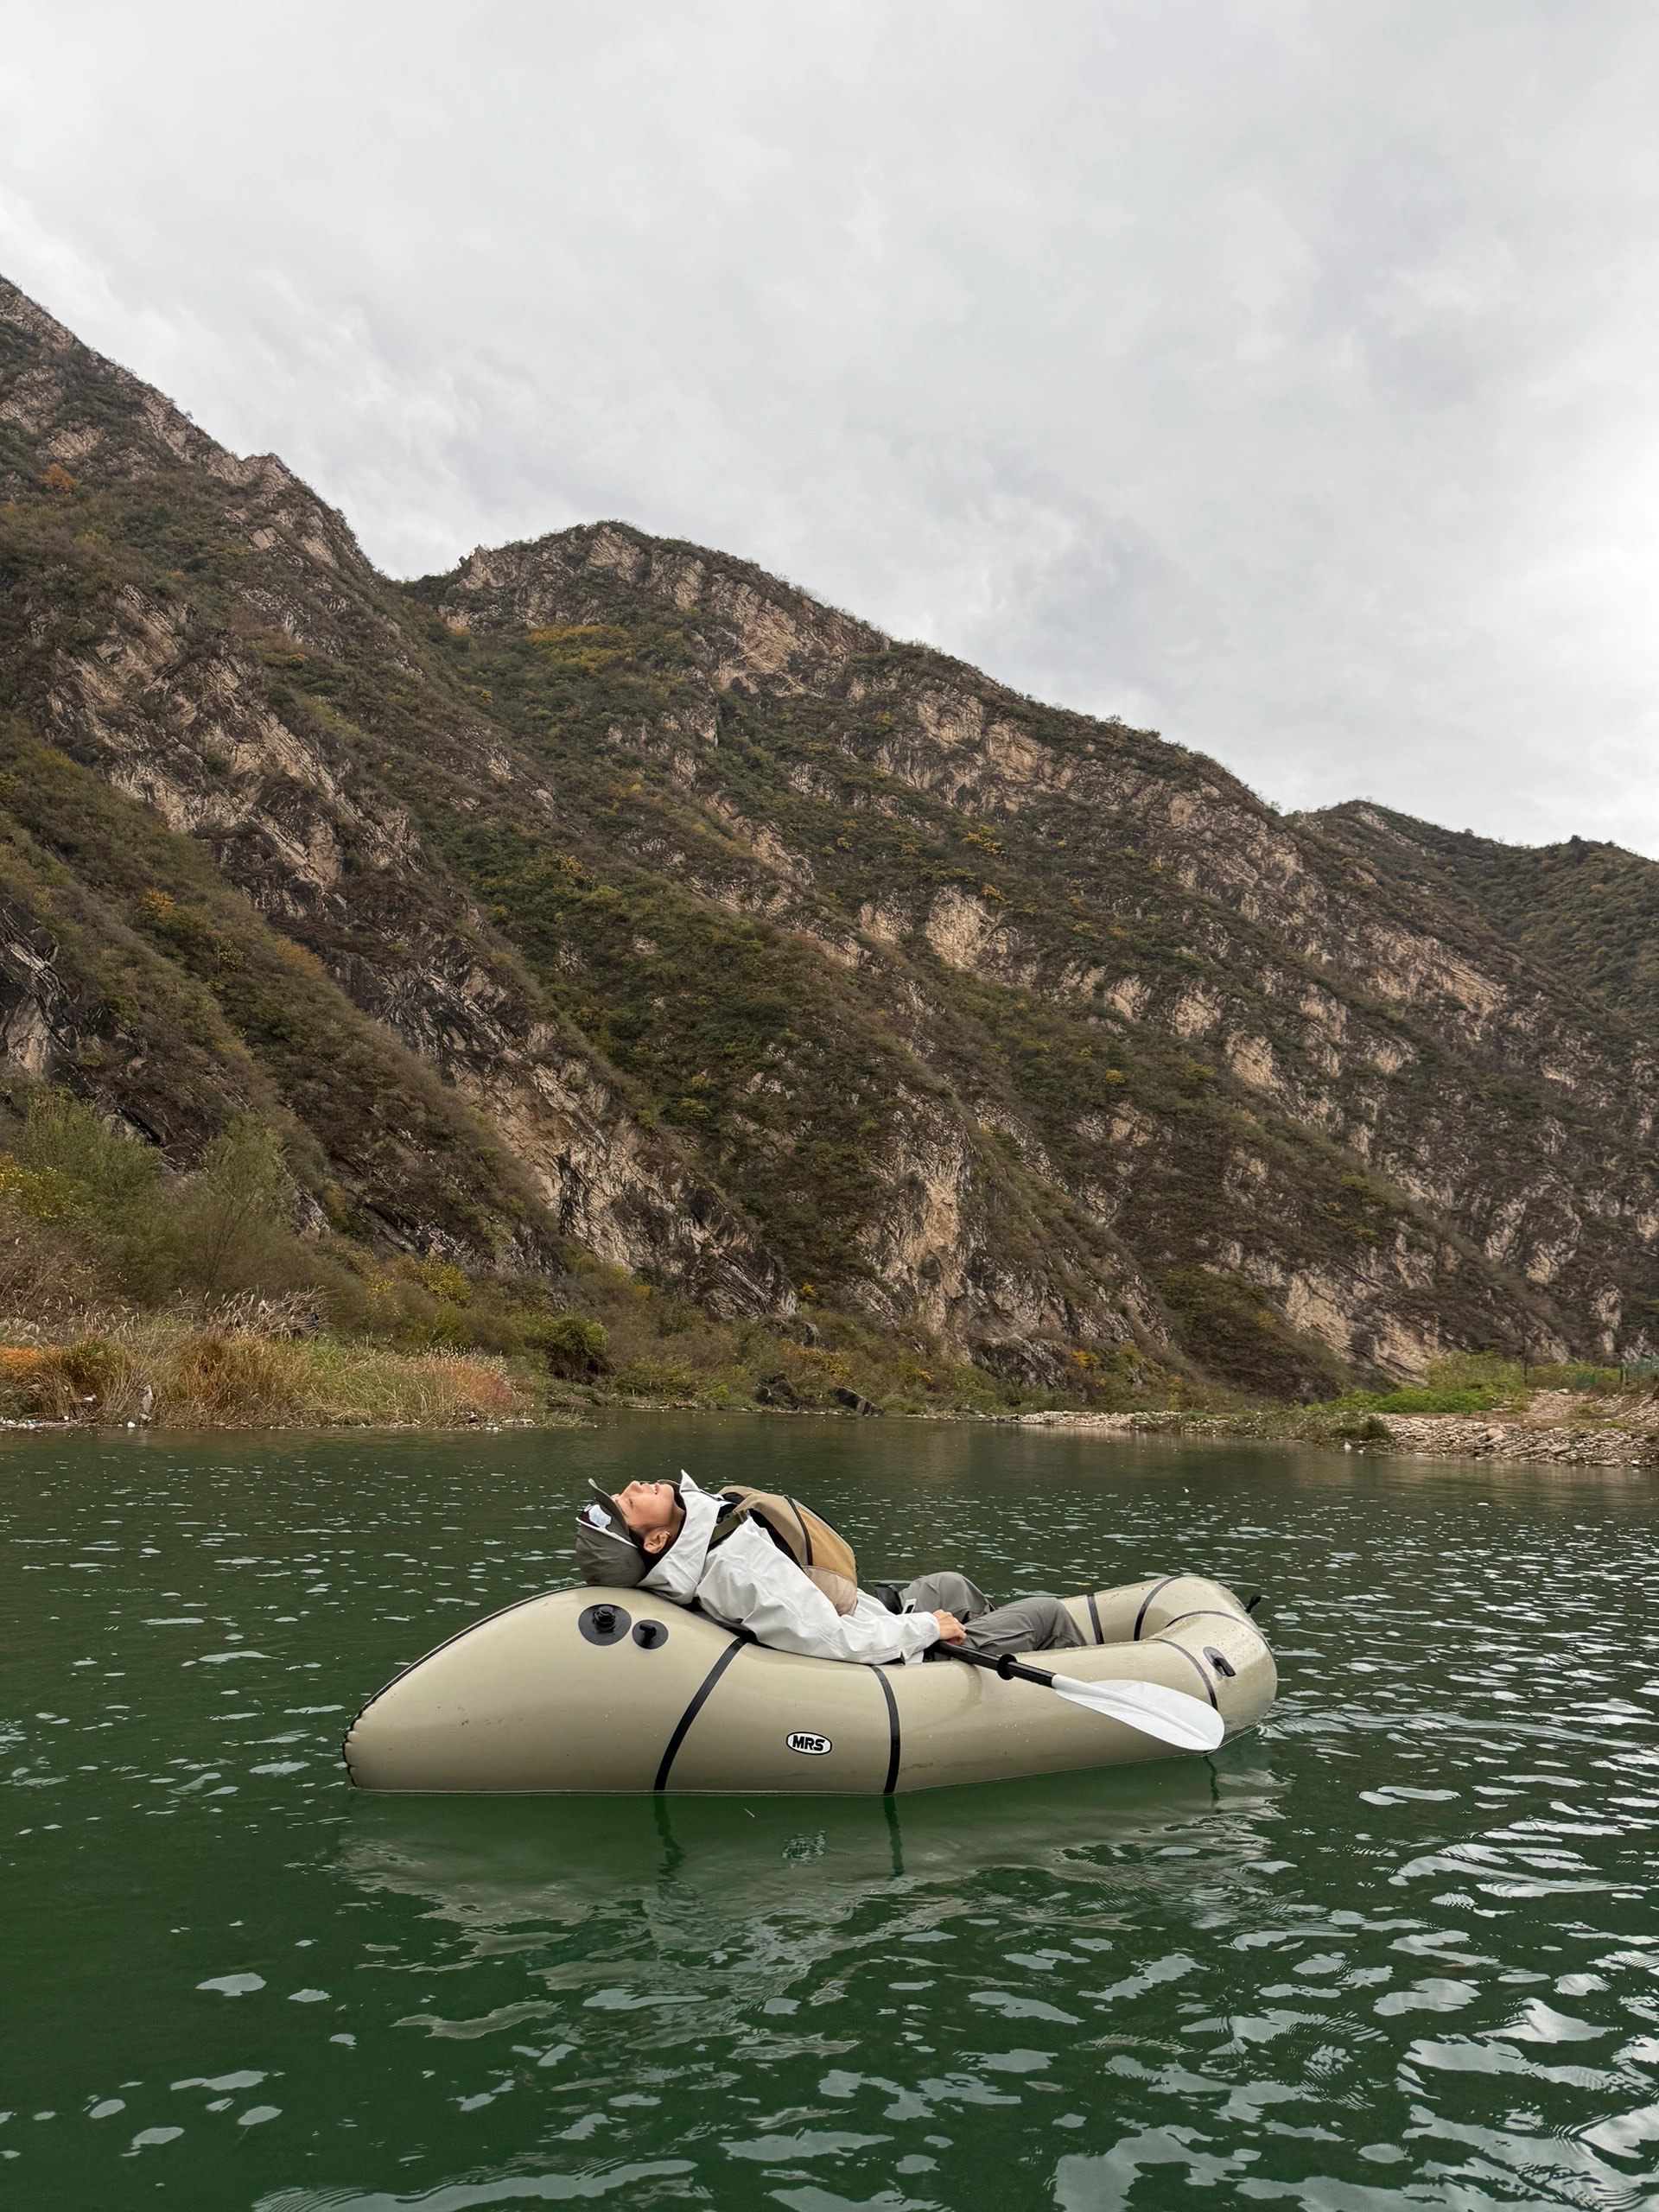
(1398, 1949)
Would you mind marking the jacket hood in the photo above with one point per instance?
(675, 1572)
(607, 1555)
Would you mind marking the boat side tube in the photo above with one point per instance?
(611, 1692)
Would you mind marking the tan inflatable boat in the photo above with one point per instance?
(600, 1692)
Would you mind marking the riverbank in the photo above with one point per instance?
(1578, 1428)
(233, 1294)
(134, 1293)
(168, 1372)
(247, 1369)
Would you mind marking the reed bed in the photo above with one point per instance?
(158, 1372)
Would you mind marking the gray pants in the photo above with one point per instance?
(1035, 1623)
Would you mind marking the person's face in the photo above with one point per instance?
(651, 1511)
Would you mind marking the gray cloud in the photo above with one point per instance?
(1281, 375)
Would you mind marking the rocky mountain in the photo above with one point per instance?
(1589, 911)
(609, 892)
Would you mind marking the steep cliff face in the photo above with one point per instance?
(719, 933)
(1252, 1055)
(164, 609)
(1588, 911)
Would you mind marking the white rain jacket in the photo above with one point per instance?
(748, 1582)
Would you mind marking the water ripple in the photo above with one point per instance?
(1398, 1950)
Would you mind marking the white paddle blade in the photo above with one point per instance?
(1184, 1721)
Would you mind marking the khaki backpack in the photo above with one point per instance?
(823, 1557)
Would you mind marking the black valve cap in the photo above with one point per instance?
(603, 1624)
(649, 1634)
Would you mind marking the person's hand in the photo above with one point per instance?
(950, 1629)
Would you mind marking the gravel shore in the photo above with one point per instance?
(1561, 1428)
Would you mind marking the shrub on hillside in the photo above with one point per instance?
(658, 1378)
(573, 1345)
(235, 1221)
(68, 1166)
(89, 1215)
(1364, 1429)
(444, 1280)
(48, 1269)
(1475, 1370)
(1413, 1399)
(1566, 1376)
(445, 1329)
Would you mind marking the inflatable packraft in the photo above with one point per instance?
(602, 1692)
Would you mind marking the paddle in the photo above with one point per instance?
(1171, 1715)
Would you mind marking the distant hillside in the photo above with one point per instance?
(1587, 912)
(609, 894)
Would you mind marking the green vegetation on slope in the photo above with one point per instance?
(1587, 910)
(178, 972)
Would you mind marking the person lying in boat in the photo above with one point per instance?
(762, 1562)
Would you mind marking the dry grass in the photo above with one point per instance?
(370, 1386)
(163, 1372)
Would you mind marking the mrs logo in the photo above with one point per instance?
(804, 1740)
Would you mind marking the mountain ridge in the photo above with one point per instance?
(777, 960)
(1588, 908)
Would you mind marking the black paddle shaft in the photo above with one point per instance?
(1009, 1668)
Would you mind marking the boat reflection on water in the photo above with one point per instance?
(495, 1864)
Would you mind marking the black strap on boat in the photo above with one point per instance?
(740, 1637)
(892, 1782)
(1141, 1618)
(1094, 1616)
(1197, 1667)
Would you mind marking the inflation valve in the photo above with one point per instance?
(603, 1624)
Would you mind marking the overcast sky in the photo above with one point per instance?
(1284, 377)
